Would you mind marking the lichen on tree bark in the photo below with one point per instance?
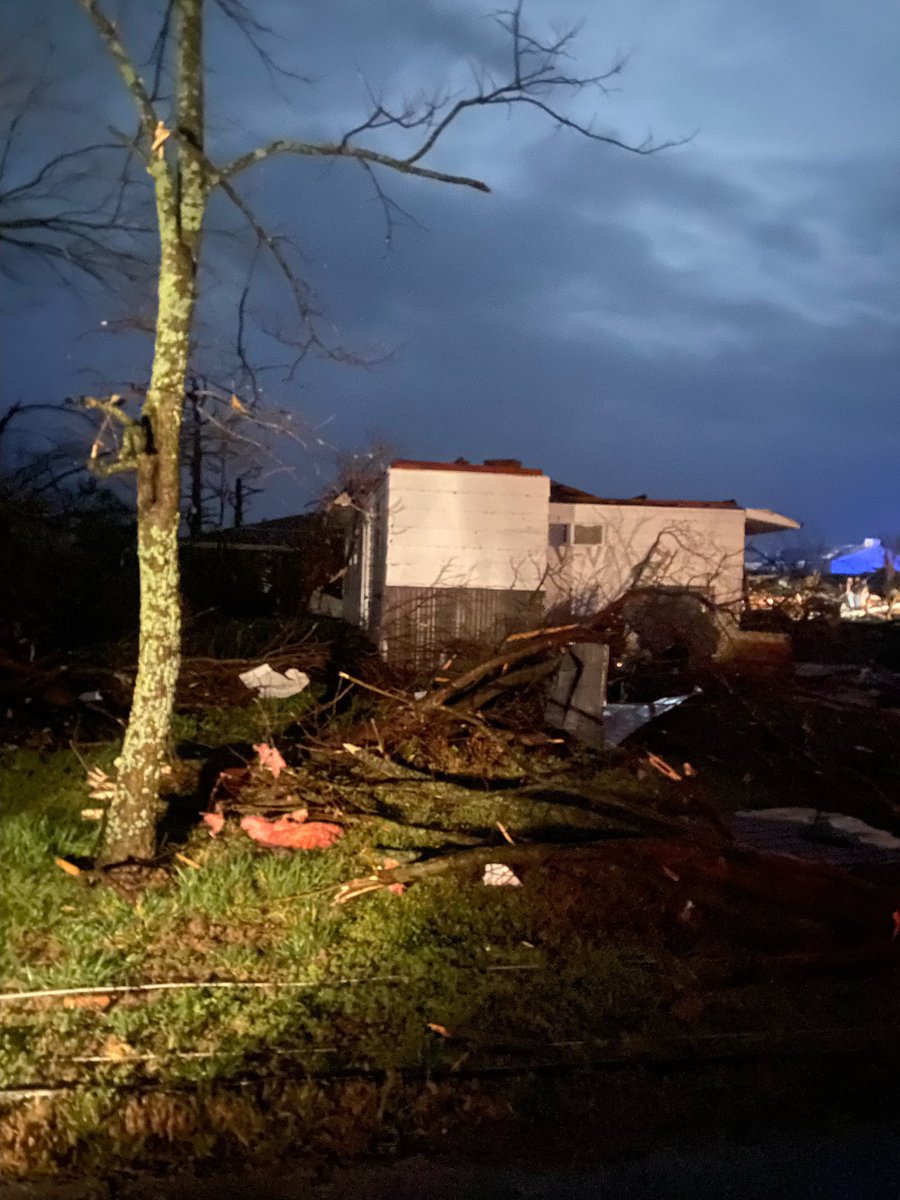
(180, 188)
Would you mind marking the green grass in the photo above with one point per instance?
(375, 973)
(248, 915)
(261, 720)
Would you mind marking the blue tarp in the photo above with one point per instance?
(862, 560)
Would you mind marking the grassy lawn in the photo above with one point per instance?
(345, 1049)
(356, 988)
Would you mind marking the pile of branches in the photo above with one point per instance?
(477, 722)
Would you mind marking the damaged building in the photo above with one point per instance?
(448, 554)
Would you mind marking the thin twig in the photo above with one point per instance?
(185, 985)
(370, 687)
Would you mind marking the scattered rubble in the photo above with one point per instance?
(863, 597)
(86, 692)
(496, 759)
(804, 598)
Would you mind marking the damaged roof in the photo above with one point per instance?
(490, 466)
(562, 493)
(758, 520)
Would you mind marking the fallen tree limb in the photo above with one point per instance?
(459, 837)
(534, 642)
(417, 706)
(480, 856)
(526, 806)
(397, 697)
(384, 766)
(534, 633)
(513, 679)
(475, 675)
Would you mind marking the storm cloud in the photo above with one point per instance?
(719, 320)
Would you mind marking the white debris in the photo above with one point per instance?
(270, 684)
(861, 832)
(499, 875)
(808, 833)
(91, 697)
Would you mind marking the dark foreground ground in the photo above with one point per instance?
(861, 1162)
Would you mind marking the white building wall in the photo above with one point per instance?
(478, 529)
(644, 546)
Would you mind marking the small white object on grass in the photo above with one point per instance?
(499, 875)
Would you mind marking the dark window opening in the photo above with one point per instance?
(588, 535)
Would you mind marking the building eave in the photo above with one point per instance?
(758, 521)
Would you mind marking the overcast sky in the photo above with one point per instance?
(719, 321)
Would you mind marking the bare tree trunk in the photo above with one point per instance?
(223, 485)
(130, 830)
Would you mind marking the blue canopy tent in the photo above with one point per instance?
(862, 560)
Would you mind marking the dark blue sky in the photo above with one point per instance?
(718, 321)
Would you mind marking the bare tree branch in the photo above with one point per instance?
(60, 212)
(341, 150)
(389, 207)
(535, 78)
(268, 242)
(125, 66)
(253, 31)
(157, 56)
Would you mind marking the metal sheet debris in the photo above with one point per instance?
(622, 720)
